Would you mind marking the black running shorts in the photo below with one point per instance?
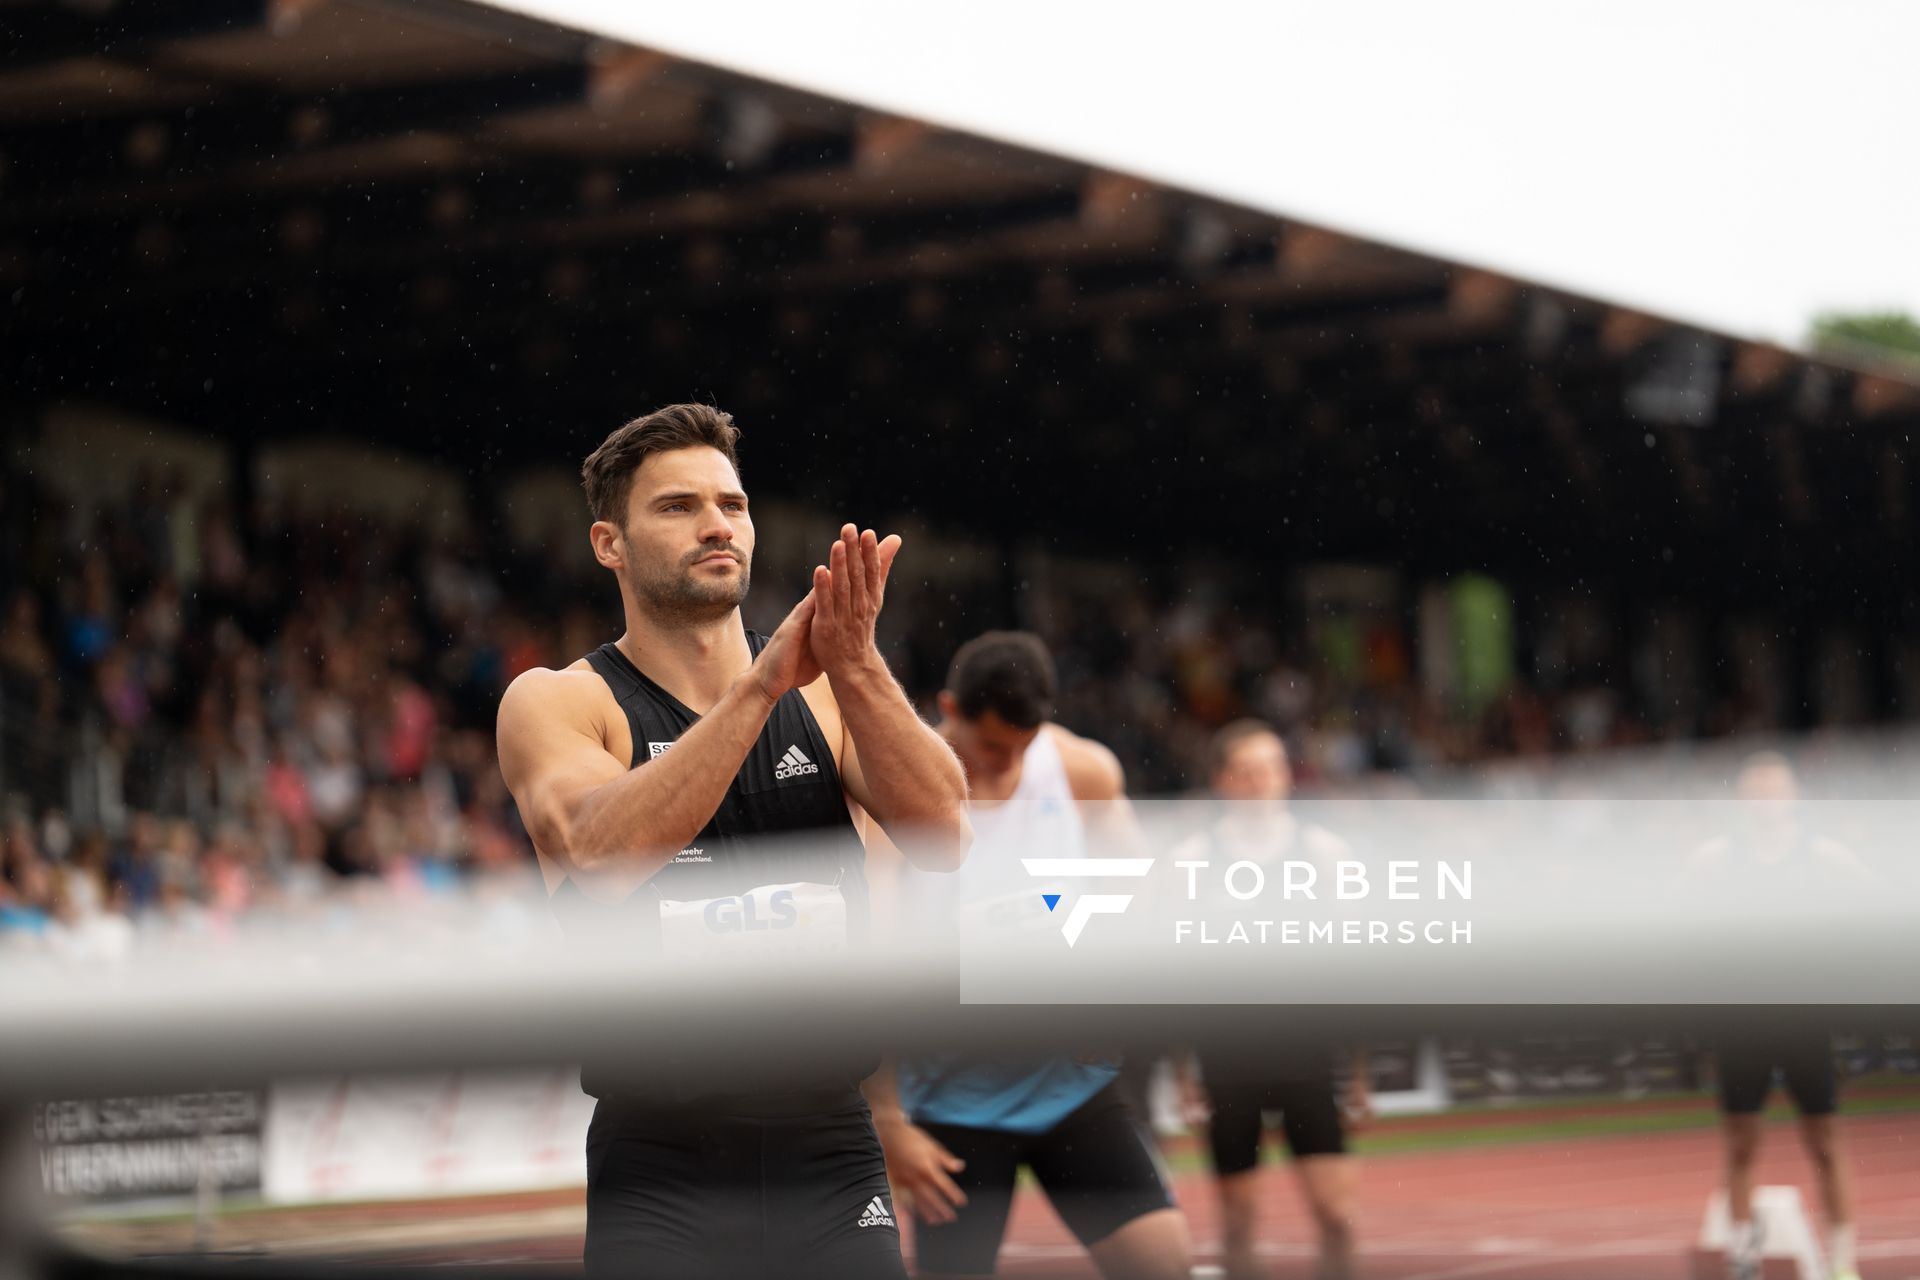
(1309, 1119)
(674, 1194)
(1097, 1167)
(1805, 1063)
(1242, 1088)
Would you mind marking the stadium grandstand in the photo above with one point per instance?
(312, 307)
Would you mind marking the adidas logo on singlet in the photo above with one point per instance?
(793, 764)
(875, 1214)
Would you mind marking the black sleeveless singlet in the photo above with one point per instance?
(787, 786)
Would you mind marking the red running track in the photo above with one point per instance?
(1615, 1208)
(1611, 1208)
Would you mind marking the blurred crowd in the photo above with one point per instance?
(209, 707)
(1153, 673)
(206, 711)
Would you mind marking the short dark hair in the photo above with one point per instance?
(607, 474)
(1229, 736)
(1009, 673)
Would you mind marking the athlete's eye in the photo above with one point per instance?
(735, 506)
(675, 506)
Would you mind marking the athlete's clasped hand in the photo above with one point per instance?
(847, 592)
(831, 630)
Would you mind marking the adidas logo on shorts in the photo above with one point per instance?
(875, 1214)
(793, 765)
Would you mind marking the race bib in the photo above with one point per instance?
(1023, 911)
(771, 921)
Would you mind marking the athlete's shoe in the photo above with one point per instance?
(1848, 1274)
(1744, 1264)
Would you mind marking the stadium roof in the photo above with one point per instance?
(1699, 161)
(489, 238)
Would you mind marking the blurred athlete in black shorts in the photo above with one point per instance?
(1242, 1080)
(644, 772)
(1773, 855)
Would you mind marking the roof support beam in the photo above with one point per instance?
(43, 33)
(106, 162)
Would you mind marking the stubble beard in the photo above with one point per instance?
(675, 596)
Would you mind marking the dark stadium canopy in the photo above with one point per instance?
(490, 240)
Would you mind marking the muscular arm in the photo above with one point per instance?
(1100, 787)
(915, 789)
(609, 826)
(893, 765)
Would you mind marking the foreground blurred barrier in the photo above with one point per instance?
(1469, 918)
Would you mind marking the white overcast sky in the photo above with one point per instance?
(1740, 164)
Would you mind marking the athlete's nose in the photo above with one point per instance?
(714, 526)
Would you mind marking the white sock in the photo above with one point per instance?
(1841, 1252)
(1743, 1241)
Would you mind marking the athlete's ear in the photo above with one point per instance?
(607, 544)
(948, 704)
